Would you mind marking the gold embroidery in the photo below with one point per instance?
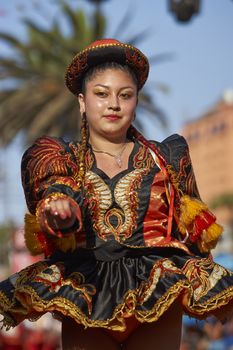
(100, 200)
(29, 273)
(159, 269)
(49, 156)
(99, 197)
(52, 276)
(117, 322)
(217, 273)
(127, 307)
(197, 272)
(4, 302)
(67, 181)
(143, 158)
(211, 306)
(89, 159)
(47, 161)
(115, 214)
(126, 197)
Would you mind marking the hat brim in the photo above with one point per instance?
(92, 56)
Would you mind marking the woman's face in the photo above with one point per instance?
(109, 102)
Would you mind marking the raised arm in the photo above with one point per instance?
(49, 171)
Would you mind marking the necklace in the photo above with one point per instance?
(117, 157)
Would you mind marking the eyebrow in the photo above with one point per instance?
(107, 87)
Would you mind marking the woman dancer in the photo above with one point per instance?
(119, 219)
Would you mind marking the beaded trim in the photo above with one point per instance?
(81, 57)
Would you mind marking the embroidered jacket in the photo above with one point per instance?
(131, 208)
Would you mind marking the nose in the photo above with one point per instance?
(114, 103)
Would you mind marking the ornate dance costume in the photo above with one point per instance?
(119, 259)
(141, 240)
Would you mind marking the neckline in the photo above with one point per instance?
(125, 171)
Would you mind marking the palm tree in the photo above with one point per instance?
(37, 101)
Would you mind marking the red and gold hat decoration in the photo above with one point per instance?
(101, 51)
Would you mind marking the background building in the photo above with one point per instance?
(210, 140)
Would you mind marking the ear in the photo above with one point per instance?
(81, 101)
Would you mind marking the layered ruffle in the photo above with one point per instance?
(103, 286)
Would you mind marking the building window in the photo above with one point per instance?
(194, 136)
(217, 128)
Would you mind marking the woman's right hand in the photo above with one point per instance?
(60, 214)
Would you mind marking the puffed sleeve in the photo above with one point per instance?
(49, 170)
(179, 159)
(48, 166)
(194, 217)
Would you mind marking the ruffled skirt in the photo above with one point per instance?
(104, 286)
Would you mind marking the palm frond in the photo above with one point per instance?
(78, 26)
(152, 109)
(33, 97)
(11, 40)
(48, 114)
(161, 57)
(98, 26)
(136, 38)
(124, 22)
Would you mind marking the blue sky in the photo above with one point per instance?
(199, 72)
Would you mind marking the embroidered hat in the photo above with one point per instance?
(101, 51)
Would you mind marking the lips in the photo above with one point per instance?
(112, 117)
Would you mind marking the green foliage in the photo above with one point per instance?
(36, 100)
(6, 231)
(225, 200)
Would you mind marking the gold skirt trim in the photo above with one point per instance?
(34, 307)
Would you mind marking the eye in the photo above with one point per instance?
(126, 95)
(101, 93)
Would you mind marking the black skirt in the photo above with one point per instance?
(101, 287)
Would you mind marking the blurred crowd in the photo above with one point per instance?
(25, 337)
(207, 335)
(197, 335)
